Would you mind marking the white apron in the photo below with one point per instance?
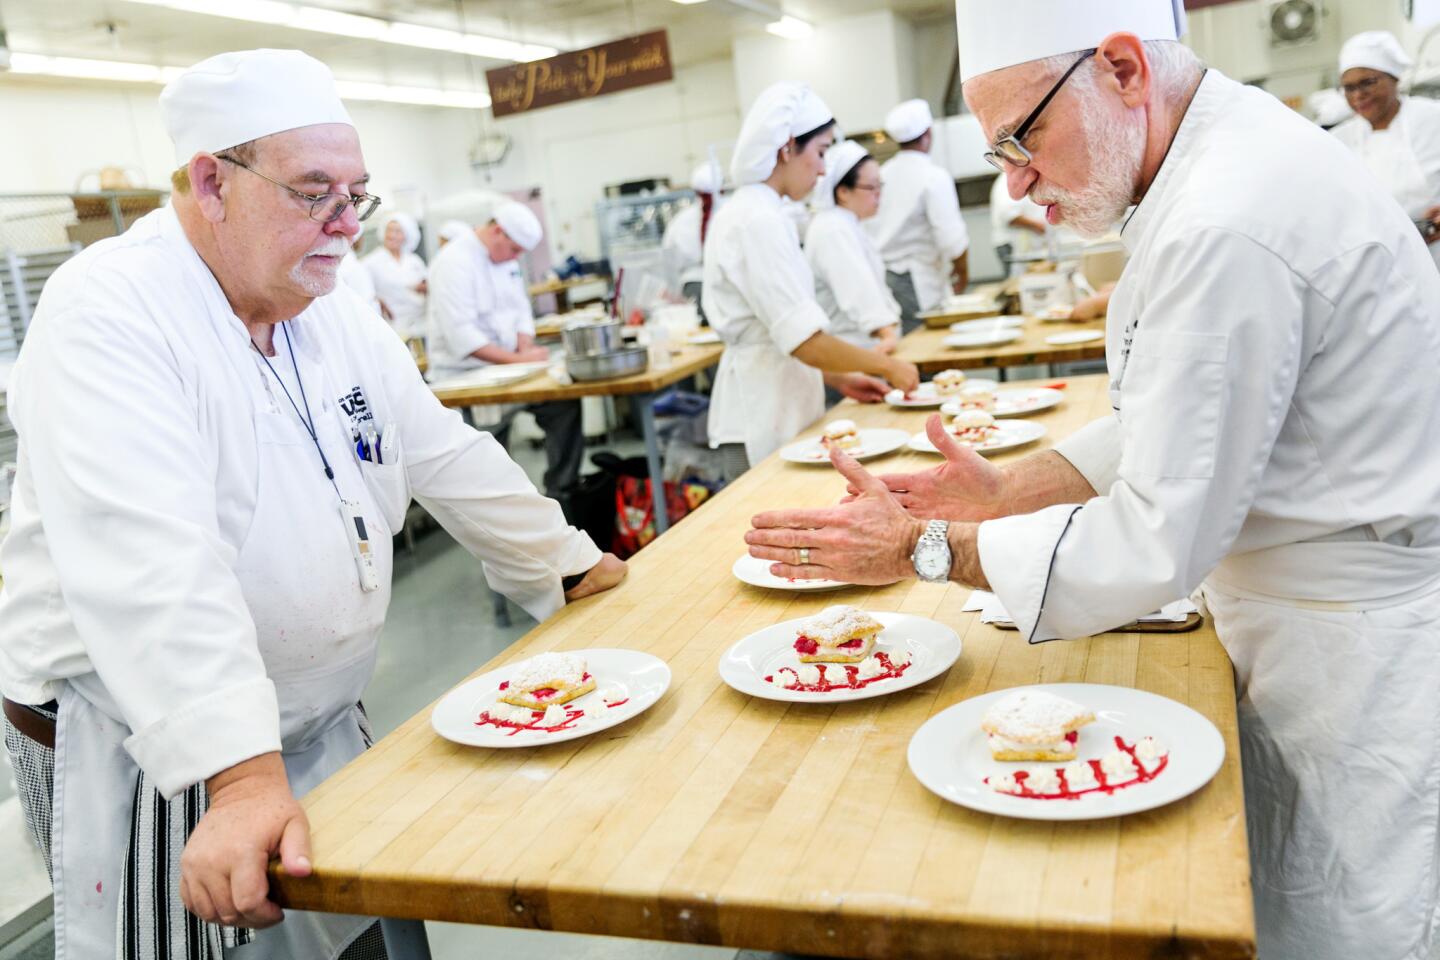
(1390, 157)
(1341, 769)
(764, 395)
(302, 589)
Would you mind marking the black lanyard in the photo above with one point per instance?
(306, 420)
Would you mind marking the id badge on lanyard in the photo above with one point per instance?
(359, 536)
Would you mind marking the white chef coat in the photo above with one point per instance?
(474, 302)
(1271, 439)
(356, 276)
(1004, 210)
(1405, 156)
(395, 283)
(918, 228)
(849, 277)
(759, 295)
(680, 247)
(178, 574)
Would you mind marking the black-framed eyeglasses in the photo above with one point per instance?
(324, 207)
(1009, 149)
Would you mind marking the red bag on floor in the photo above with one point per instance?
(635, 510)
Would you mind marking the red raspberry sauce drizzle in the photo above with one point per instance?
(852, 673)
(571, 716)
(1102, 786)
(808, 646)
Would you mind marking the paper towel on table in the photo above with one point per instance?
(991, 610)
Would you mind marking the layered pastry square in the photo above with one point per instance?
(1034, 725)
(973, 426)
(547, 680)
(949, 382)
(842, 434)
(977, 396)
(838, 634)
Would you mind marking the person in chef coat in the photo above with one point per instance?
(760, 294)
(849, 274)
(399, 275)
(1397, 137)
(919, 230)
(1270, 445)
(683, 243)
(217, 443)
(451, 230)
(356, 275)
(480, 314)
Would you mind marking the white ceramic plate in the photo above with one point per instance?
(873, 443)
(633, 679)
(1015, 403)
(932, 646)
(931, 398)
(756, 572)
(1074, 336)
(1007, 436)
(495, 375)
(987, 338)
(988, 324)
(704, 337)
(950, 757)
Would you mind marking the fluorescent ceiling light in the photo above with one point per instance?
(299, 16)
(32, 64)
(791, 28)
(687, 2)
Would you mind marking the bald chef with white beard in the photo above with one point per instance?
(217, 443)
(1270, 446)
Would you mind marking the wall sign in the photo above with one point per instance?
(581, 74)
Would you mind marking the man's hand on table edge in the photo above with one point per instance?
(867, 540)
(253, 817)
(599, 578)
(966, 487)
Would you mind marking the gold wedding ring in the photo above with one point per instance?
(804, 556)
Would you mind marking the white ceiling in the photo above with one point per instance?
(120, 30)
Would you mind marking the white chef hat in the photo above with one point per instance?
(408, 224)
(840, 159)
(519, 223)
(1375, 50)
(234, 98)
(908, 121)
(452, 230)
(995, 34)
(783, 110)
(707, 178)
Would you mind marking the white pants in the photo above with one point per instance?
(1340, 741)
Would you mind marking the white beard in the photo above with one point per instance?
(310, 276)
(1117, 146)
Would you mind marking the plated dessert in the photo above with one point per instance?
(949, 382)
(975, 427)
(540, 695)
(841, 433)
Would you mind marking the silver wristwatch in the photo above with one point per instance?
(932, 553)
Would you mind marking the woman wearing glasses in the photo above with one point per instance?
(759, 293)
(1397, 137)
(849, 274)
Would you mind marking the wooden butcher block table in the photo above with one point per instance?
(718, 818)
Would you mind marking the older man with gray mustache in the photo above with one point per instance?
(216, 446)
(1270, 446)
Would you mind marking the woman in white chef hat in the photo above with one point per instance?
(849, 274)
(760, 294)
(1397, 137)
(684, 238)
(400, 275)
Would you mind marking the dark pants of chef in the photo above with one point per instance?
(564, 443)
(903, 288)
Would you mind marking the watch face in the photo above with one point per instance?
(932, 561)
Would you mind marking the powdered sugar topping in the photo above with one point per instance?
(838, 623)
(1034, 716)
(547, 668)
